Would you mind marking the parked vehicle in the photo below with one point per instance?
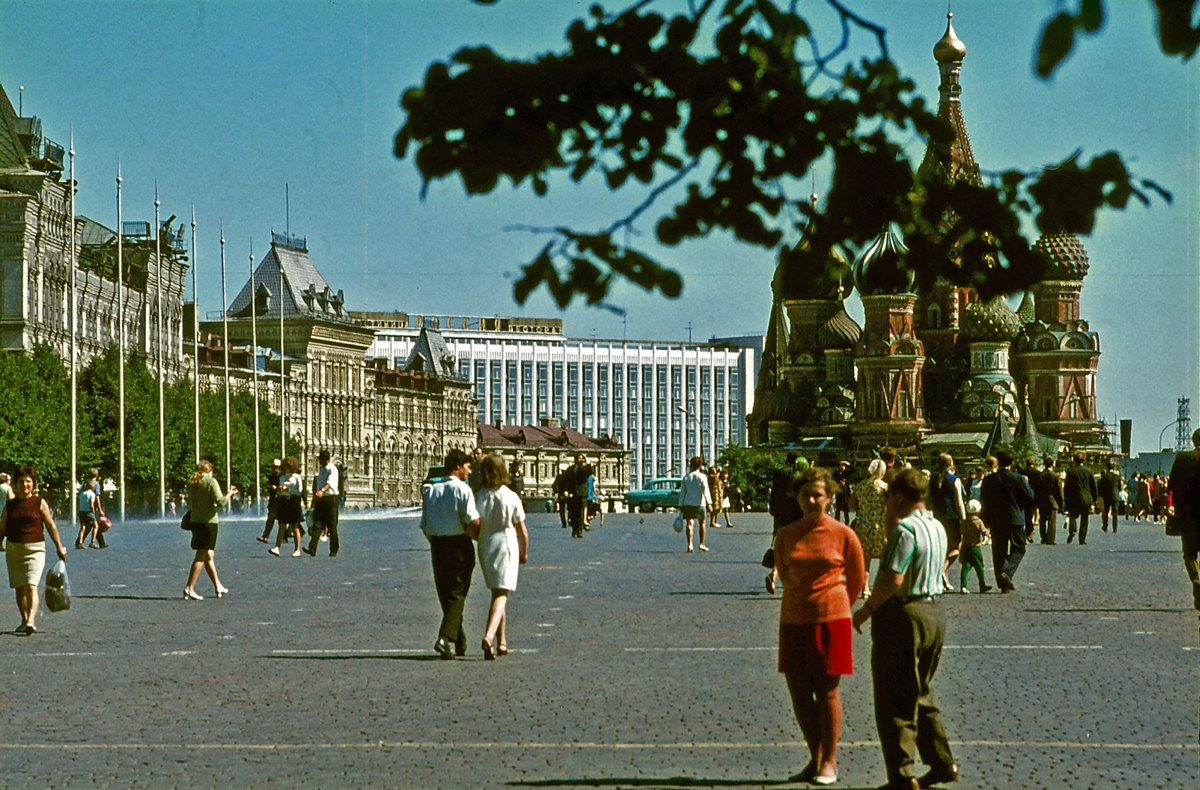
(661, 492)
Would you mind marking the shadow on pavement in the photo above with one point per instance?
(674, 781)
(1126, 609)
(131, 597)
(365, 657)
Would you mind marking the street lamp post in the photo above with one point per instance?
(687, 415)
(1160, 438)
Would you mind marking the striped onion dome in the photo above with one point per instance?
(990, 320)
(795, 277)
(882, 267)
(1065, 254)
(839, 332)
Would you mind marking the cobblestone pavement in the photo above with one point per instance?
(634, 665)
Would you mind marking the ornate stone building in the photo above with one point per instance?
(36, 303)
(546, 449)
(930, 368)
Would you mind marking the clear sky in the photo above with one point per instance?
(225, 102)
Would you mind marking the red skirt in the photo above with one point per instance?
(817, 648)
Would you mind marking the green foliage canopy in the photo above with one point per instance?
(723, 109)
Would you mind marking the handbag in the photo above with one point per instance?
(678, 525)
(768, 560)
(1174, 526)
(186, 523)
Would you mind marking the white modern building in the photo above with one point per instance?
(663, 401)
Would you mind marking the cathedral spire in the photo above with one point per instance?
(954, 158)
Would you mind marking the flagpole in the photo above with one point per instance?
(254, 378)
(162, 427)
(120, 352)
(74, 342)
(195, 345)
(282, 390)
(225, 343)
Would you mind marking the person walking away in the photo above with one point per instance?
(592, 507)
(1184, 484)
(821, 564)
(908, 629)
(25, 522)
(971, 554)
(1142, 508)
(1004, 496)
(869, 517)
(1109, 492)
(1079, 496)
(695, 501)
(562, 494)
(449, 518)
(1031, 474)
(729, 502)
(288, 505)
(841, 500)
(272, 499)
(204, 498)
(716, 489)
(782, 506)
(948, 508)
(325, 506)
(1049, 499)
(503, 548)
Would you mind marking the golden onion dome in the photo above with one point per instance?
(950, 47)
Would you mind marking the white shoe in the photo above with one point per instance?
(273, 551)
(965, 591)
(703, 547)
(296, 553)
(324, 538)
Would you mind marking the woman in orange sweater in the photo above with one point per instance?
(820, 562)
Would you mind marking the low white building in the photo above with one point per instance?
(664, 401)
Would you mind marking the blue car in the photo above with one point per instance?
(661, 492)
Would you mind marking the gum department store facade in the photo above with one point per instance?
(935, 370)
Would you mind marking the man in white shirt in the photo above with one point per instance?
(695, 500)
(326, 490)
(450, 519)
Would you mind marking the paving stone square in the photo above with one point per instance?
(634, 664)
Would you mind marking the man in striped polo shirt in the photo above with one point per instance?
(907, 630)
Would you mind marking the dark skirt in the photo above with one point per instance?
(289, 510)
(204, 537)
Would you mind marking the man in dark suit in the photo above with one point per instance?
(1005, 495)
(1049, 495)
(1185, 497)
(1079, 497)
(1109, 491)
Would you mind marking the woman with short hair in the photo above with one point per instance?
(25, 521)
(204, 497)
(503, 547)
(820, 562)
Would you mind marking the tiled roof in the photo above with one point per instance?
(535, 436)
(305, 291)
(12, 154)
(431, 355)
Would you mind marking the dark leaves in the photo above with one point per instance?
(1058, 38)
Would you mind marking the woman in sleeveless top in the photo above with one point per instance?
(25, 520)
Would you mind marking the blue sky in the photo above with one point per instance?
(224, 102)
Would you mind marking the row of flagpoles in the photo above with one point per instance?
(160, 362)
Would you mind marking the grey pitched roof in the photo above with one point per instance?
(12, 153)
(431, 355)
(305, 292)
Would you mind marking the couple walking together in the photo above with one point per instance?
(821, 564)
(451, 517)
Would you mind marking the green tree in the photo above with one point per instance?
(723, 109)
(751, 470)
(36, 416)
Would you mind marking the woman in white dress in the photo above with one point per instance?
(503, 547)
